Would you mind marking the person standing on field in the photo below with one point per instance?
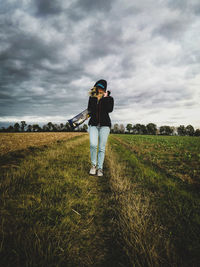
(100, 104)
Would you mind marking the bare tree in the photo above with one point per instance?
(116, 128)
(121, 128)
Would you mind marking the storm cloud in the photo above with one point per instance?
(52, 53)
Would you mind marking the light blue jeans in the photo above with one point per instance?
(98, 136)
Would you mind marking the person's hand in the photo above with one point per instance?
(100, 95)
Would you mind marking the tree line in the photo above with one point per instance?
(49, 127)
(152, 129)
(149, 129)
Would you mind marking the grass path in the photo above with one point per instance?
(53, 213)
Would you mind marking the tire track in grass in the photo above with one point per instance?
(54, 213)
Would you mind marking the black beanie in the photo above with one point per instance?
(101, 84)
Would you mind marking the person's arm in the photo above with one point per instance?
(91, 105)
(110, 104)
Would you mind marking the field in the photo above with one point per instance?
(145, 210)
(18, 141)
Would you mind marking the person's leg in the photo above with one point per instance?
(93, 132)
(103, 136)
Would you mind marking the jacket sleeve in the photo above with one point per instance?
(89, 105)
(110, 104)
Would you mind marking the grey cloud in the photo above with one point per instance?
(172, 29)
(157, 98)
(171, 96)
(21, 60)
(93, 5)
(39, 76)
(46, 7)
(187, 6)
(104, 42)
(5, 96)
(191, 103)
(79, 10)
(177, 117)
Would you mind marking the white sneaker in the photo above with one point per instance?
(100, 172)
(93, 170)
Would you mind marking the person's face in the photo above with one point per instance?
(101, 91)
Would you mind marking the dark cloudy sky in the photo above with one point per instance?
(52, 53)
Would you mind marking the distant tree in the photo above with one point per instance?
(189, 130)
(10, 129)
(162, 130)
(50, 126)
(197, 132)
(36, 128)
(151, 128)
(143, 129)
(45, 128)
(112, 130)
(174, 129)
(29, 128)
(129, 127)
(166, 130)
(62, 127)
(67, 127)
(181, 130)
(23, 125)
(3, 129)
(137, 128)
(121, 129)
(116, 128)
(16, 127)
(56, 127)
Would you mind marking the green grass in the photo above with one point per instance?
(174, 206)
(178, 156)
(53, 213)
(143, 212)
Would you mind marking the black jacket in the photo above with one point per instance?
(99, 111)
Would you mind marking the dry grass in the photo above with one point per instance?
(17, 141)
(53, 213)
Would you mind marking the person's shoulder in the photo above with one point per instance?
(108, 97)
